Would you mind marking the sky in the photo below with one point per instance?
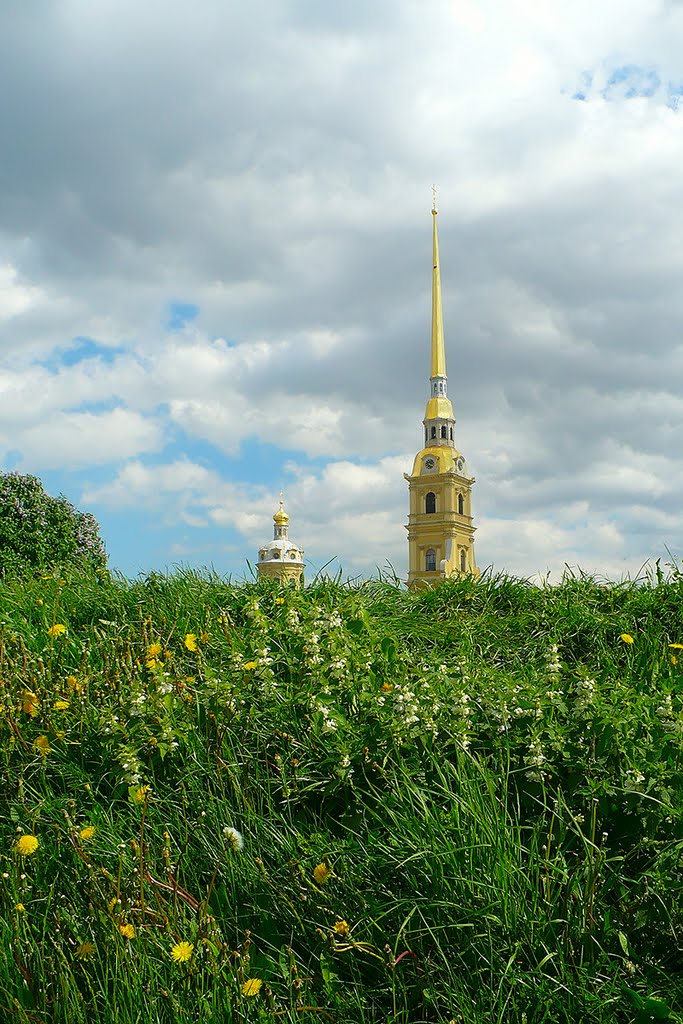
(215, 273)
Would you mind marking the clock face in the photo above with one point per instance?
(461, 465)
(429, 464)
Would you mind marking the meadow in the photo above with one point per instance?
(239, 802)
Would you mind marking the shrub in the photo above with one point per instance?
(39, 532)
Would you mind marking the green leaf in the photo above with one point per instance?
(388, 646)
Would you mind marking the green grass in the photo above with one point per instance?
(490, 777)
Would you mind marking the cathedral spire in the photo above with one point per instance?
(438, 346)
(439, 419)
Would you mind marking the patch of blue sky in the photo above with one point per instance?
(80, 349)
(180, 314)
(100, 406)
(156, 546)
(72, 482)
(630, 81)
(674, 92)
(584, 86)
(12, 461)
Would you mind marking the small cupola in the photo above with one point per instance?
(280, 558)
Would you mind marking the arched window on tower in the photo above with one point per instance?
(461, 505)
(463, 560)
(430, 502)
(451, 433)
(430, 560)
(433, 432)
(443, 433)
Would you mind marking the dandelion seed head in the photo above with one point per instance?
(233, 838)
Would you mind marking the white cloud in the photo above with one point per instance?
(75, 440)
(15, 298)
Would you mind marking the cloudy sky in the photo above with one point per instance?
(215, 270)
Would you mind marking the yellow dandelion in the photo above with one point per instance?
(191, 641)
(249, 666)
(26, 845)
(86, 834)
(154, 650)
(84, 950)
(139, 795)
(127, 930)
(151, 663)
(251, 987)
(279, 600)
(181, 952)
(321, 873)
(57, 630)
(74, 684)
(20, 908)
(676, 647)
(673, 659)
(30, 703)
(387, 687)
(627, 638)
(341, 927)
(60, 705)
(42, 746)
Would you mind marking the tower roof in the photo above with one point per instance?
(281, 516)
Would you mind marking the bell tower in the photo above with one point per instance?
(440, 527)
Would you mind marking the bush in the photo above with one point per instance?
(39, 532)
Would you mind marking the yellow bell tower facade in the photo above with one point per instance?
(440, 526)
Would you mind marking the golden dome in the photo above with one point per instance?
(281, 517)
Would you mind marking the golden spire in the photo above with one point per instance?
(438, 346)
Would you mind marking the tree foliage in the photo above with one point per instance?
(38, 531)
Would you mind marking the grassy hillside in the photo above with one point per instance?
(352, 804)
